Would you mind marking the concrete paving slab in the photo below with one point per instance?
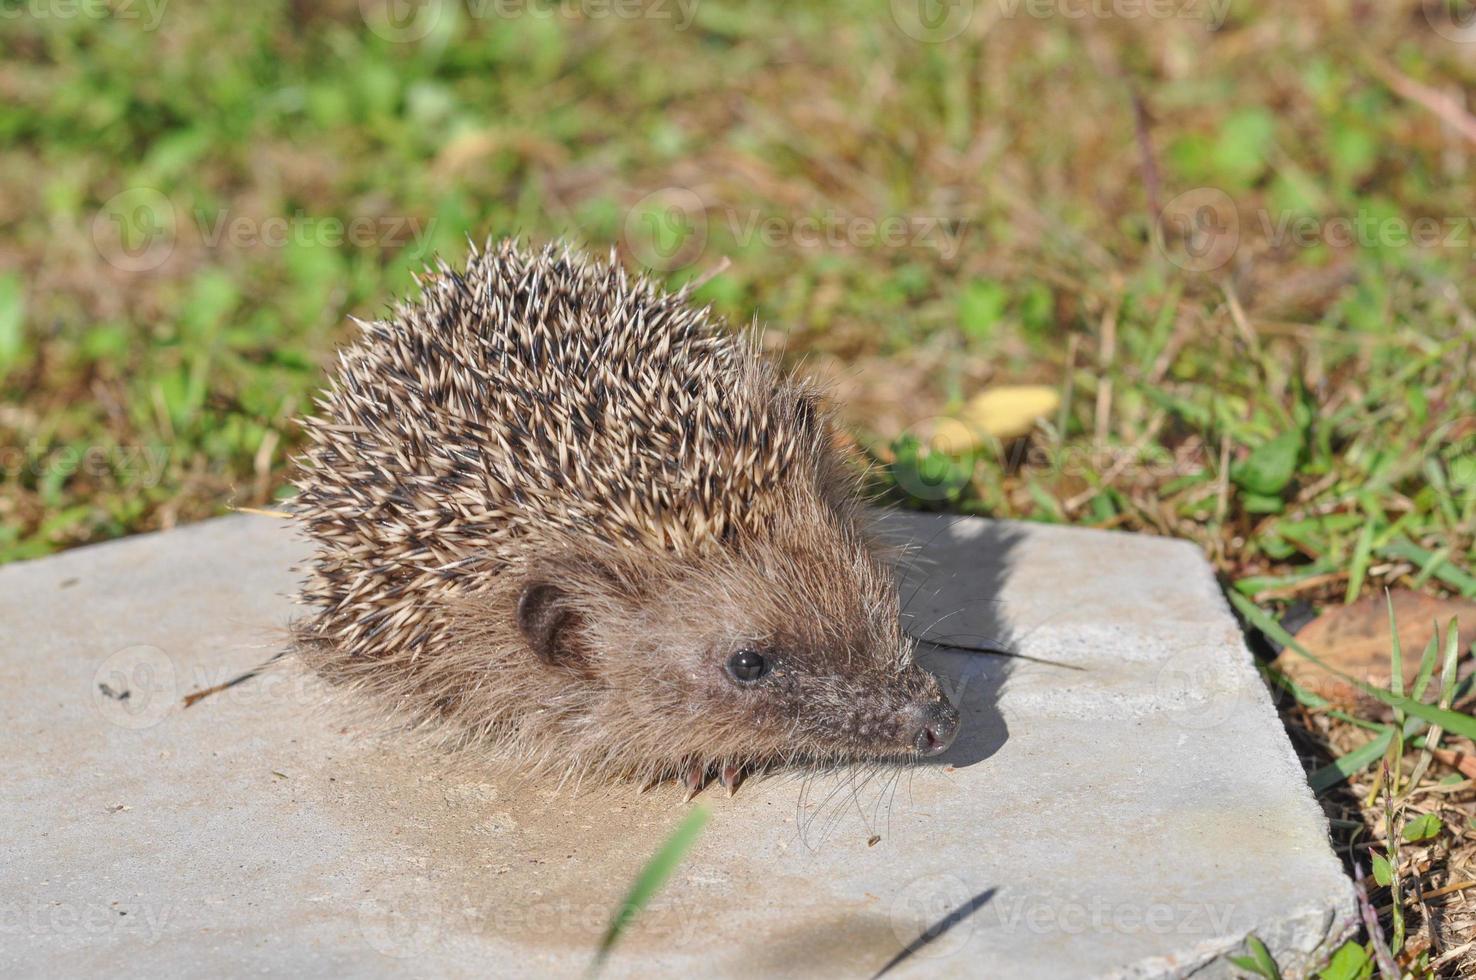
(1136, 816)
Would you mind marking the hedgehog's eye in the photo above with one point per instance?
(747, 666)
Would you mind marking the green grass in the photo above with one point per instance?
(1305, 411)
(191, 210)
(653, 875)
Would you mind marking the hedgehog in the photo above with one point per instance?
(562, 514)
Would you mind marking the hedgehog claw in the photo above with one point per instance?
(694, 777)
(731, 775)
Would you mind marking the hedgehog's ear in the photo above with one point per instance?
(547, 620)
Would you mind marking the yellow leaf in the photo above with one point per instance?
(1010, 410)
(953, 437)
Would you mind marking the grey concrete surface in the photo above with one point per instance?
(1136, 816)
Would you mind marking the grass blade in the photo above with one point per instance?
(1432, 563)
(1391, 840)
(1346, 765)
(1304, 697)
(1396, 655)
(1448, 668)
(1396, 687)
(1427, 665)
(1362, 553)
(1447, 688)
(649, 881)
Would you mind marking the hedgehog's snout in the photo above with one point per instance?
(931, 727)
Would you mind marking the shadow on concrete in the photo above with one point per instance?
(951, 582)
(937, 930)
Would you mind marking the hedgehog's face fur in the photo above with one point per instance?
(767, 651)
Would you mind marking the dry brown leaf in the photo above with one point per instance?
(1355, 639)
(1459, 761)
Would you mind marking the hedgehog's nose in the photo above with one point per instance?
(937, 726)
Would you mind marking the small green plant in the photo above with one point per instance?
(929, 475)
(1258, 961)
(1350, 961)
